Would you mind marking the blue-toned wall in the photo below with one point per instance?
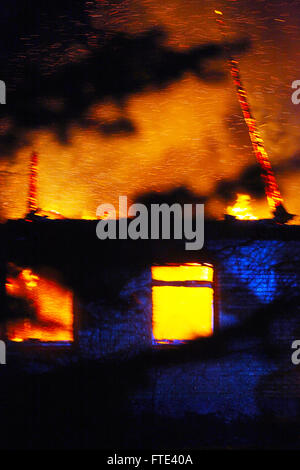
(250, 276)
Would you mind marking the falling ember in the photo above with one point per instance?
(32, 201)
(53, 305)
(32, 195)
(182, 299)
(242, 208)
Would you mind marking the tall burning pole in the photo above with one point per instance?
(273, 194)
(32, 194)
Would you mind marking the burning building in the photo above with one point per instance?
(212, 332)
(138, 343)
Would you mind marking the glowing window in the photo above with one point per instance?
(51, 303)
(182, 302)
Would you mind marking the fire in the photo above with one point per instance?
(53, 305)
(185, 272)
(242, 208)
(30, 279)
(182, 298)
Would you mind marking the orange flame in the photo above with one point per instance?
(53, 305)
(242, 208)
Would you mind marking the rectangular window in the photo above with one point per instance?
(182, 302)
(44, 307)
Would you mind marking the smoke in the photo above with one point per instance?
(124, 65)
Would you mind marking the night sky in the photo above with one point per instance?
(129, 97)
